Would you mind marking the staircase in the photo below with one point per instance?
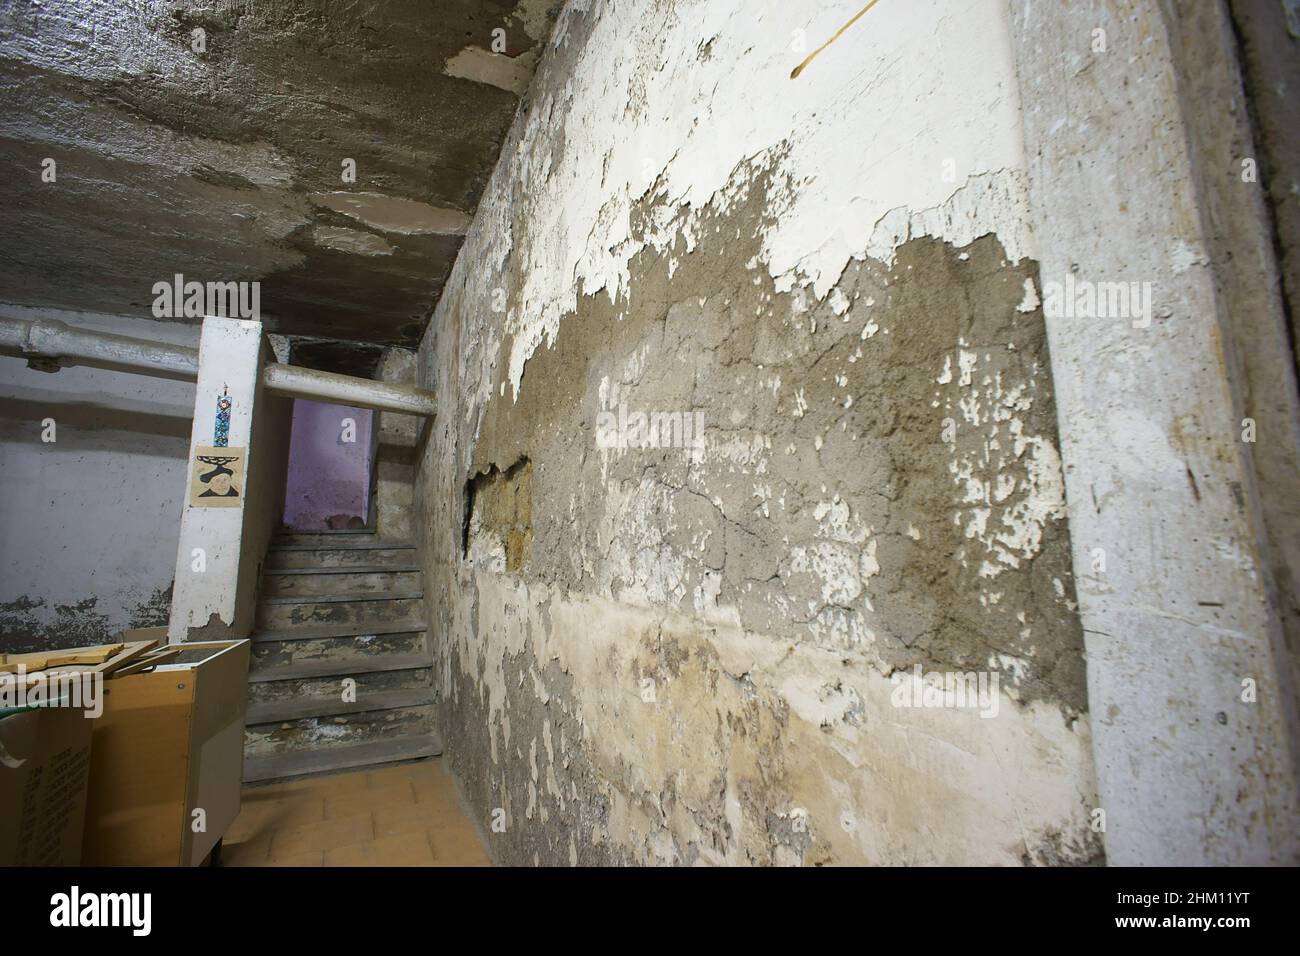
(337, 606)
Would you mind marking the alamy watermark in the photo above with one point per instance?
(77, 689)
(971, 690)
(623, 429)
(181, 299)
(75, 908)
(1079, 298)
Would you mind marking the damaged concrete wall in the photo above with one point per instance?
(92, 476)
(396, 453)
(746, 420)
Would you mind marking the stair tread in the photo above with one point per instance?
(294, 532)
(299, 708)
(343, 545)
(328, 631)
(340, 667)
(342, 757)
(348, 569)
(338, 598)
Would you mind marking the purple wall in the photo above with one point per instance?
(327, 476)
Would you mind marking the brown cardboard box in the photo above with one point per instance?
(44, 769)
(169, 743)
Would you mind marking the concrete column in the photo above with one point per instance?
(222, 540)
(1189, 683)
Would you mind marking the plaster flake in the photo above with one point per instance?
(1011, 492)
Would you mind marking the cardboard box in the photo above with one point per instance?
(169, 743)
(44, 771)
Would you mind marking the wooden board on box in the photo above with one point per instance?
(40, 660)
(127, 653)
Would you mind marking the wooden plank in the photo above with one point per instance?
(301, 708)
(126, 655)
(41, 660)
(326, 759)
(343, 667)
(152, 659)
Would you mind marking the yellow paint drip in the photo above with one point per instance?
(799, 69)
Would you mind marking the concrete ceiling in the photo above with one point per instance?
(227, 164)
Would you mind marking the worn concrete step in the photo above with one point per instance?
(351, 569)
(342, 581)
(336, 631)
(385, 558)
(285, 530)
(335, 539)
(332, 705)
(391, 750)
(344, 597)
(340, 667)
(284, 653)
(363, 611)
(378, 682)
(340, 730)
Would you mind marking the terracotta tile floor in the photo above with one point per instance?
(405, 815)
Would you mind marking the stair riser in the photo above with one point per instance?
(276, 653)
(277, 585)
(322, 732)
(292, 765)
(333, 686)
(283, 616)
(340, 557)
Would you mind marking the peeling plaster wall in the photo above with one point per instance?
(396, 453)
(822, 293)
(91, 519)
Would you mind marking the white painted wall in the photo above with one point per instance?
(95, 515)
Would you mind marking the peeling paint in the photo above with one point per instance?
(709, 633)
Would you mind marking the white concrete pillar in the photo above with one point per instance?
(208, 559)
(1189, 685)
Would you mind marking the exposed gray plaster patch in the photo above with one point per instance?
(352, 240)
(395, 214)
